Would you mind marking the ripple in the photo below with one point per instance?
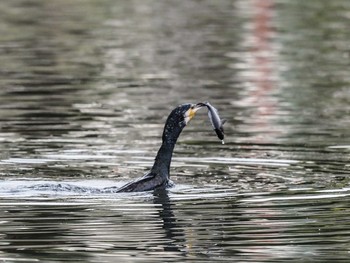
(84, 96)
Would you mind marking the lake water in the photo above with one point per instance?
(86, 87)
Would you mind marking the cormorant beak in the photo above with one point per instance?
(192, 111)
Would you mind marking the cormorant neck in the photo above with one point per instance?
(171, 133)
(162, 162)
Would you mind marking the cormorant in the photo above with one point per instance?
(158, 176)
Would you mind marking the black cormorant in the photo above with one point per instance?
(158, 176)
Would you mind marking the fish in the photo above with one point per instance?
(216, 121)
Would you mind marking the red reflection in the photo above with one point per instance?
(262, 70)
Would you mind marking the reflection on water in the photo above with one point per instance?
(86, 87)
(176, 225)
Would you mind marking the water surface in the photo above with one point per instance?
(86, 87)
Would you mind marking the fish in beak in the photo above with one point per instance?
(216, 121)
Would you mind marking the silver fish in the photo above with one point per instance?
(216, 122)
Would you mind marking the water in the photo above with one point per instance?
(86, 87)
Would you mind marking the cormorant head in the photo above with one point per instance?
(178, 119)
(189, 110)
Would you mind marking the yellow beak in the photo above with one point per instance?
(192, 111)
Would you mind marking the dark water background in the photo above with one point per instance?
(86, 86)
